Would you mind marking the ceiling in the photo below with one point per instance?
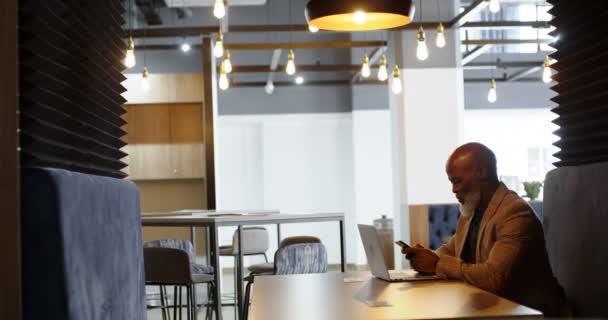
(512, 62)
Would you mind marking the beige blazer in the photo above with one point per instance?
(511, 258)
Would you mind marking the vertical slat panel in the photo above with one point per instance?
(582, 65)
(70, 85)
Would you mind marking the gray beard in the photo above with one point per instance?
(470, 204)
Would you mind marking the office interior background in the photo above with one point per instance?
(327, 139)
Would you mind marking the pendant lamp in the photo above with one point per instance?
(359, 15)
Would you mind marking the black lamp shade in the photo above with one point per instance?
(339, 15)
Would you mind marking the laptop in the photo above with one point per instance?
(375, 259)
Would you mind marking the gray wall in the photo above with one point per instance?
(513, 95)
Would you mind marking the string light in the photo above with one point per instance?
(145, 83)
(365, 70)
(440, 40)
(382, 71)
(547, 70)
(291, 64)
(396, 87)
(422, 52)
(492, 92)
(219, 9)
(227, 63)
(218, 49)
(130, 55)
(494, 6)
(223, 82)
(269, 88)
(185, 47)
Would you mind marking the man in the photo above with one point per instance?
(499, 243)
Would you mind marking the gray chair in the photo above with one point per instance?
(255, 242)
(170, 262)
(295, 255)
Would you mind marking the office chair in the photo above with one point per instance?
(170, 262)
(296, 255)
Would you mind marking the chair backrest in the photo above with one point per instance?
(180, 244)
(298, 255)
(167, 266)
(255, 240)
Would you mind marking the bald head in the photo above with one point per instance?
(475, 158)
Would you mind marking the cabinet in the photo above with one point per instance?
(165, 141)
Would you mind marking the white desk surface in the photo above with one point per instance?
(327, 296)
(201, 219)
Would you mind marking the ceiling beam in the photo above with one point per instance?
(306, 83)
(471, 10)
(280, 45)
(499, 25)
(480, 42)
(197, 31)
(503, 65)
(304, 45)
(524, 73)
(301, 68)
(473, 54)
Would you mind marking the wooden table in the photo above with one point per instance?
(213, 223)
(327, 296)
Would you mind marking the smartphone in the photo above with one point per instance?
(402, 244)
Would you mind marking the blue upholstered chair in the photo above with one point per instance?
(172, 262)
(296, 255)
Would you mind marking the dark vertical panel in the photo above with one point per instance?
(70, 84)
(209, 107)
(582, 66)
(10, 240)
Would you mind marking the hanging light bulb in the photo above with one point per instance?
(422, 52)
(269, 88)
(494, 6)
(492, 92)
(130, 55)
(382, 71)
(440, 40)
(185, 47)
(218, 49)
(359, 17)
(312, 28)
(219, 9)
(365, 71)
(291, 64)
(397, 87)
(227, 63)
(223, 82)
(547, 70)
(145, 84)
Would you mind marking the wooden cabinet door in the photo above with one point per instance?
(187, 156)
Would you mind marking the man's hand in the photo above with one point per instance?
(421, 259)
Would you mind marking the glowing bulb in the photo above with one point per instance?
(185, 47)
(397, 87)
(492, 92)
(130, 55)
(494, 6)
(218, 49)
(382, 71)
(440, 40)
(422, 52)
(291, 64)
(359, 17)
(365, 70)
(219, 9)
(227, 63)
(299, 80)
(312, 28)
(269, 88)
(223, 82)
(547, 70)
(145, 84)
